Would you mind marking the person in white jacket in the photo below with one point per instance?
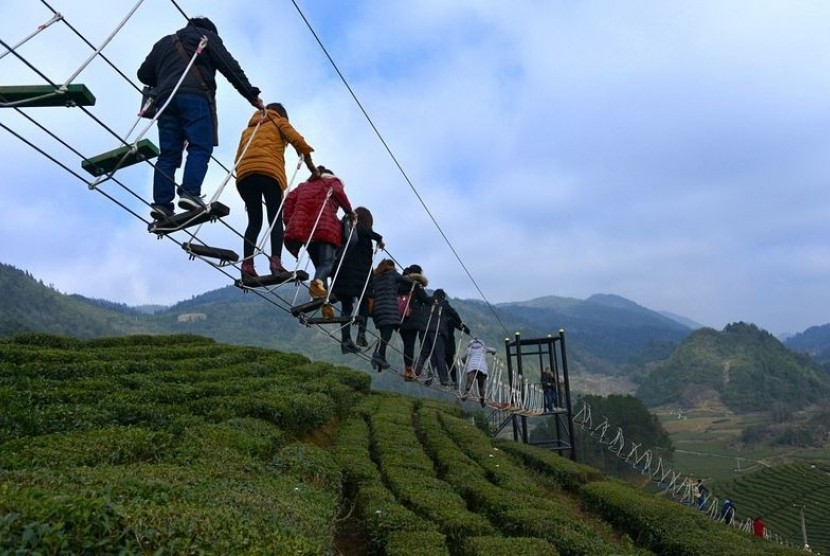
(475, 365)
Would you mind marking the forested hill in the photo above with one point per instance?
(744, 367)
(814, 341)
(614, 328)
(28, 305)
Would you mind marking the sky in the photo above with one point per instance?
(673, 153)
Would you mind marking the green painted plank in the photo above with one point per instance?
(106, 162)
(75, 95)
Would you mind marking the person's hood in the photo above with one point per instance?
(420, 278)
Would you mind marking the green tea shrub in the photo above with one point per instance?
(667, 527)
(501, 546)
(567, 473)
(408, 543)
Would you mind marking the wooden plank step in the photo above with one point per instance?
(187, 219)
(75, 95)
(336, 320)
(106, 162)
(271, 279)
(224, 255)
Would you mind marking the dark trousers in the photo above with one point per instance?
(409, 337)
(253, 189)
(481, 378)
(346, 308)
(385, 336)
(550, 398)
(322, 256)
(432, 348)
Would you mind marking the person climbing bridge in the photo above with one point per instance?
(385, 312)
(414, 303)
(549, 389)
(476, 368)
(310, 215)
(190, 118)
(727, 512)
(441, 317)
(260, 175)
(351, 283)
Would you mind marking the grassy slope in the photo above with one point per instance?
(180, 444)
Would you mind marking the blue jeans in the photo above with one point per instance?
(187, 118)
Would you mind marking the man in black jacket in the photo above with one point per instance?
(191, 115)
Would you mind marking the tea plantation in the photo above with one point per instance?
(176, 444)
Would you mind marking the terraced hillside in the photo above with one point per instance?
(776, 493)
(181, 445)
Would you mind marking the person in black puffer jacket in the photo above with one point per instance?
(356, 267)
(385, 313)
(414, 315)
(442, 317)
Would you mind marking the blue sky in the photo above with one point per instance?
(674, 153)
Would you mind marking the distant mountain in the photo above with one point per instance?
(604, 332)
(28, 305)
(688, 323)
(743, 367)
(613, 328)
(815, 342)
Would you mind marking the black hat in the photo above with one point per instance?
(414, 269)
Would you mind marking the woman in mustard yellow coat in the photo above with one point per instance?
(260, 175)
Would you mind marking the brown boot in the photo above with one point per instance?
(248, 268)
(408, 374)
(276, 265)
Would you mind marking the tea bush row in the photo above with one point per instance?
(517, 512)
(384, 521)
(409, 474)
(567, 473)
(667, 527)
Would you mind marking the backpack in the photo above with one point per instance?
(404, 305)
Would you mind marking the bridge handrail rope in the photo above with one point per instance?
(97, 181)
(61, 89)
(55, 17)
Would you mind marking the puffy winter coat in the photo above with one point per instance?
(443, 317)
(420, 302)
(165, 65)
(385, 293)
(304, 203)
(475, 358)
(266, 153)
(357, 263)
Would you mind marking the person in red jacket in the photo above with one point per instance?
(310, 215)
(759, 528)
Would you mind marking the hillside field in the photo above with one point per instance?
(177, 444)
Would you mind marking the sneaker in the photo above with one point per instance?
(161, 212)
(317, 289)
(190, 202)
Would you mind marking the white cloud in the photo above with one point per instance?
(674, 153)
